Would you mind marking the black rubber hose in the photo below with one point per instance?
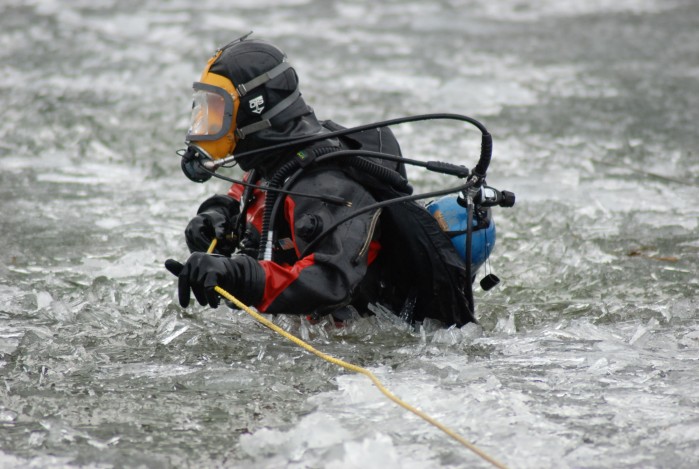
(279, 202)
(486, 141)
(330, 199)
(434, 166)
(387, 175)
(279, 176)
(468, 287)
(486, 154)
(384, 203)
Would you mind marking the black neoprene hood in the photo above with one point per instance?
(246, 60)
(251, 58)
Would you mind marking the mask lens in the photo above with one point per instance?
(208, 110)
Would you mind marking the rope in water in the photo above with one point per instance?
(356, 369)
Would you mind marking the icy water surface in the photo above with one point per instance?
(587, 355)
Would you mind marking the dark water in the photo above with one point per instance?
(587, 354)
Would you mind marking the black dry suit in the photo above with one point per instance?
(421, 275)
(396, 256)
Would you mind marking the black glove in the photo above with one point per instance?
(206, 226)
(240, 276)
(215, 219)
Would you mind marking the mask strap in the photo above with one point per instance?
(264, 78)
(266, 123)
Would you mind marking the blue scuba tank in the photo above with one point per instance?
(452, 218)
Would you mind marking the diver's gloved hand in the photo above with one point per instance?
(215, 218)
(203, 228)
(241, 276)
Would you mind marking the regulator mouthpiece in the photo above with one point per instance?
(196, 166)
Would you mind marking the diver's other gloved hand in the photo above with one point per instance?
(240, 275)
(215, 218)
(203, 228)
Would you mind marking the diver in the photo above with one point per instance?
(279, 246)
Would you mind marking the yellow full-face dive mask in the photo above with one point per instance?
(213, 126)
(214, 107)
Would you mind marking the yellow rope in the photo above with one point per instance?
(212, 246)
(356, 369)
(360, 370)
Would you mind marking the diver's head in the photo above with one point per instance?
(247, 98)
